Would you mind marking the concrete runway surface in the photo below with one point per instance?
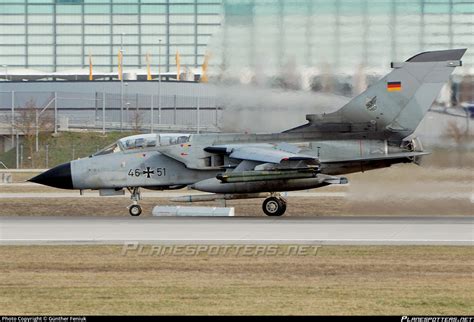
(238, 230)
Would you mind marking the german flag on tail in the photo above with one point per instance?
(394, 86)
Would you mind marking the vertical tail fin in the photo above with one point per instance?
(395, 105)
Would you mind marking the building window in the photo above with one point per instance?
(69, 1)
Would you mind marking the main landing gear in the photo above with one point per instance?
(134, 209)
(274, 206)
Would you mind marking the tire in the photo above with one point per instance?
(283, 209)
(273, 207)
(135, 210)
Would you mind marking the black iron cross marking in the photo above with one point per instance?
(148, 172)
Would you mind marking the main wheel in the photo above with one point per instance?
(135, 210)
(274, 206)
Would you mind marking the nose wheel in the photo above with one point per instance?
(135, 209)
(274, 206)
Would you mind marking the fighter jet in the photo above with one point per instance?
(373, 130)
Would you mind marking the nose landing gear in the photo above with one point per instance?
(135, 209)
(274, 206)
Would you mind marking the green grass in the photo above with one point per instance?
(63, 147)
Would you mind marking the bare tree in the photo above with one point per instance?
(137, 120)
(29, 121)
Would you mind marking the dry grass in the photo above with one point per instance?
(400, 280)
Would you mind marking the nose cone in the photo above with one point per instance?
(58, 177)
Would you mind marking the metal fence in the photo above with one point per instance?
(112, 111)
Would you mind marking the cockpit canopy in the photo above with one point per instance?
(139, 141)
(144, 141)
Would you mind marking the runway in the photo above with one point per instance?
(238, 230)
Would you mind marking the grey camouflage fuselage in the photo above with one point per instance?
(371, 131)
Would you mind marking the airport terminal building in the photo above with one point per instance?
(242, 36)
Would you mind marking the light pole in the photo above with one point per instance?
(121, 82)
(13, 118)
(17, 151)
(159, 83)
(47, 156)
(151, 113)
(126, 104)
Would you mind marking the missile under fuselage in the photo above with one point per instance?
(215, 185)
(249, 176)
